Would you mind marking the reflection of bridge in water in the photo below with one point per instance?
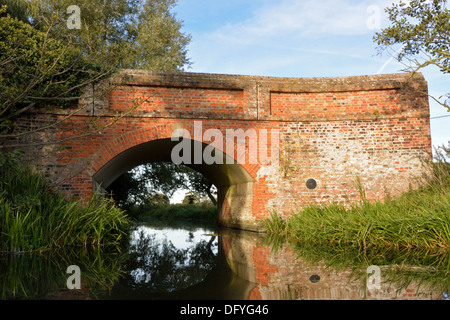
(284, 275)
(248, 269)
(239, 266)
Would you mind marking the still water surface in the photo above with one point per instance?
(199, 261)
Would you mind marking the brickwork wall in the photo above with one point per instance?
(335, 105)
(374, 129)
(169, 102)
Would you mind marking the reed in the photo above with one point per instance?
(275, 224)
(33, 218)
(417, 219)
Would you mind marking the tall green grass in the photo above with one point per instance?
(33, 218)
(417, 219)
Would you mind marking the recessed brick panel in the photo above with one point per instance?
(332, 105)
(179, 102)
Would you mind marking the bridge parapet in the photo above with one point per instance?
(241, 97)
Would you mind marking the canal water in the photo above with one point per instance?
(198, 261)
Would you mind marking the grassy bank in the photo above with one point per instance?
(418, 219)
(33, 218)
(202, 211)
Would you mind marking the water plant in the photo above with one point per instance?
(35, 218)
(417, 219)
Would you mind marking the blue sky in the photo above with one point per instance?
(297, 38)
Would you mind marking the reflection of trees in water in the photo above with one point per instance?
(158, 266)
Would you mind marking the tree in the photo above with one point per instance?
(158, 42)
(15, 9)
(141, 183)
(43, 61)
(196, 182)
(128, 191)
(158, 199)
(135, 34)
(36, 70)
(191, 197)
(168, 177)
(39, 69)
(421, 30)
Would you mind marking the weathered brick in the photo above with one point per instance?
(333, 130)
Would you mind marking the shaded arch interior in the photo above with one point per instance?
(221, 175)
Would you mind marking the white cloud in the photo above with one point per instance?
(306, 18)
(278, 33)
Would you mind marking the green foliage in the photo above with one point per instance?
(138, 185)
(33, 218)
(421, 28)
(275, 224)
(159, 43)
(36, 69)
(136, 34)
(158, 199)
(196, 183)
(42, 61)
(191, 198)
(200, 211)
(127, 191)
(15, 8)
(417, 219)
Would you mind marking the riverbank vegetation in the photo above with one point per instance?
(34, 218)
(200, 210)
(417, 219)
(46, 62)
(156, 182)
(146, 190)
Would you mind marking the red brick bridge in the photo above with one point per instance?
(308, 139)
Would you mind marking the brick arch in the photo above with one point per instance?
(144, 135)
(235, 182)
(127, 141)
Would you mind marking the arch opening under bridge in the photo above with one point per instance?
(226, 177)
